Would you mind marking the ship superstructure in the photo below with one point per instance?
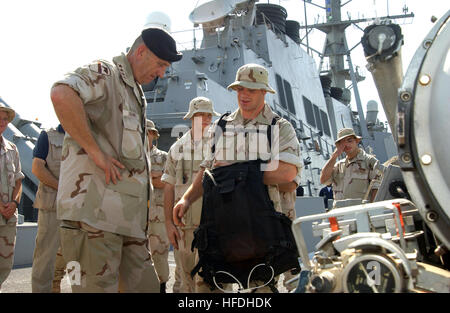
(235, 33)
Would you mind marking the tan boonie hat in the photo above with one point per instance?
(11, 112)
(344, 133)
(252, 76)
(151, 127)
(200, 104)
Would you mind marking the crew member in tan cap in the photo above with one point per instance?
(10, 192)
(351, 176)
(159, 244)
(251, 85)
(183, 163)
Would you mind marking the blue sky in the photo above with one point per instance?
(42, 40)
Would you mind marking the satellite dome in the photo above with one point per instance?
(159, 20)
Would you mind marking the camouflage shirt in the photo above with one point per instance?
(115, 107)
(183, 163)
(46, 195)
(288, 199)
(10, 172)
(235, 146)
(351, 178)
(158, 159)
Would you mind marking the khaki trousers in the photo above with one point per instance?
(7, 244)
(100, 261)
(185, 259)
(45, 252)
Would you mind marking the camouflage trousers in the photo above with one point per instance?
(45, 254)
(7, 244)
(159, 246)
(185, 259)
(177, 284)
(60, 271)
(100, 261)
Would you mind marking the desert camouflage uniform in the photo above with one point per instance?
(45, 256)
(351, 178)
(60, 270)
(231, 148)
(105, 227)
(177, 283)
(158, 241)
(288, 199)
(10, 172)
(234, 148)
(183, 163)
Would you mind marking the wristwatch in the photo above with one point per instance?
(17, 203)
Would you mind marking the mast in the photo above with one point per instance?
(336, 49)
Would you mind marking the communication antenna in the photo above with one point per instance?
(212, 12)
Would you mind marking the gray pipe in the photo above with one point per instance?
(382, 48)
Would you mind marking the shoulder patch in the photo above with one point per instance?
(100, 68)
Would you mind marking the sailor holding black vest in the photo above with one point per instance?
(284, 162)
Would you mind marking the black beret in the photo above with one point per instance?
(162, 44)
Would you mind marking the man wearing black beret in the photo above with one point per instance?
(161, 44)
(104, 188)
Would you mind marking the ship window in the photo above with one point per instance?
(281, 91)
(317, 116)
(309, 111)
(326, 125)
(289, 98)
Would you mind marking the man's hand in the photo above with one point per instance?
(69, 109)
(156, 174)
(9, 209)
(179, 210)
(173, 234)
(2, 208)
(327, 170)
(340, 145)
(109, 165)
(156, 180)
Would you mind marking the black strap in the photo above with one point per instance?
(222, 124)
(196, 268)
(272, 286)
(269, 130)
